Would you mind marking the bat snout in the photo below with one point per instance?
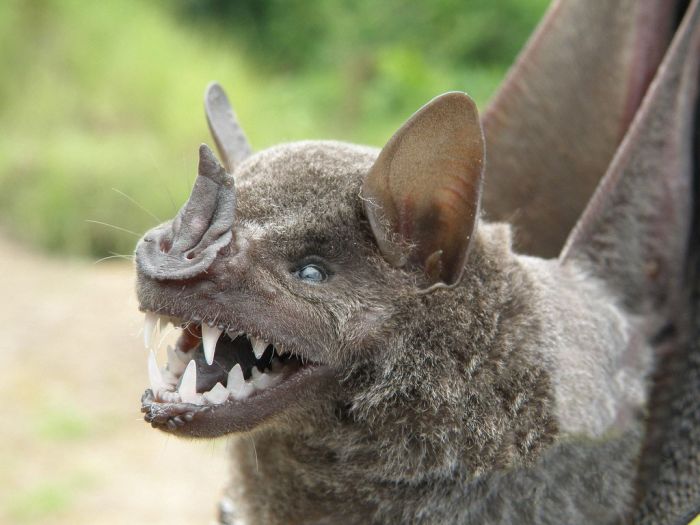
(185, 247)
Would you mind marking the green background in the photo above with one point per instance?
(101, 102)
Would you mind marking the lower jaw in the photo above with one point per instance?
(309, 385)
(243, 383)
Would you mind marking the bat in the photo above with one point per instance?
(388, 342)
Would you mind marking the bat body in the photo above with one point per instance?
(436, 390)
(385, 355)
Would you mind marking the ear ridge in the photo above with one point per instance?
(422, 194)
(230, 140)
(634, 233)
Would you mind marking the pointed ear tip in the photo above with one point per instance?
(206, 156)
(459, 97)
(456, 94)
(455, 103)
(214, 92)
(213, 87)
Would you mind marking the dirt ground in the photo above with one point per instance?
(73, 446)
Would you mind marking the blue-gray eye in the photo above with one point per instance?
(312, 273)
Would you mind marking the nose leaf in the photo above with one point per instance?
(186, 246)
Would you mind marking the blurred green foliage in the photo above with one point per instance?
(296, 34)
(48, 499)
(100, 103)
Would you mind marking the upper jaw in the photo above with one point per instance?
(220, 380)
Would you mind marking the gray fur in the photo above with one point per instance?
(437, 394)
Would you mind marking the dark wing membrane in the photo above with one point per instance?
(669, 481)
(638, 236)
(561, 113)
(634, 233)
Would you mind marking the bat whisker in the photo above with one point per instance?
(136, 203)
(113, 226)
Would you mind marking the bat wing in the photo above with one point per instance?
(639, 234)
(563, 109)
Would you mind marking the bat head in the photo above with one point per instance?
(337, 287)
(322, 281)
(292, 266)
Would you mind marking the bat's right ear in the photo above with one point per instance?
(229, 137)
(422, 194)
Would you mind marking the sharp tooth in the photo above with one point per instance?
(267, 380)
(169, 378)
(216, 395)
(210, 335)
(188, 384)
(185, 357)
(168, 397)
(154, 376)
(238, 387)
(175, 364)
(262, 381)
(149, 327)
(235, 379)
(259, 346)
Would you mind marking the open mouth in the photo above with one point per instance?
(214, 372)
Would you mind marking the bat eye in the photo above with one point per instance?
(312, 273)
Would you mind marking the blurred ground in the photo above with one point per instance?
(73, 447)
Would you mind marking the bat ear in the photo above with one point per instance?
(634, 233)
(554, 126)
(422, 194)
(229, 137)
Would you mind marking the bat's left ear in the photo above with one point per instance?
(230, 140)
(422, 194)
